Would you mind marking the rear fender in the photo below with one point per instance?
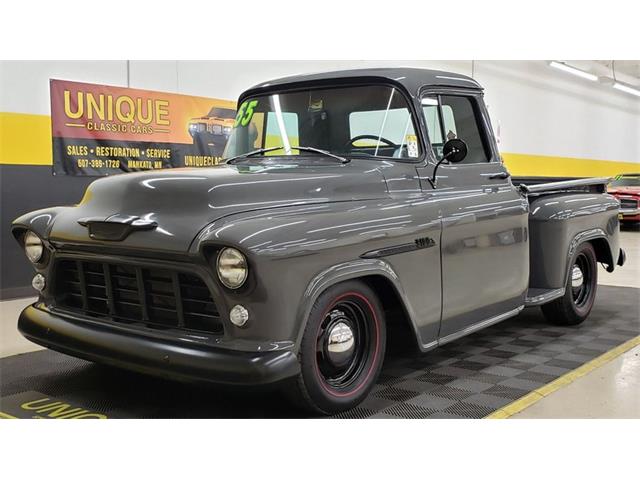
(558, 224)
(598, 238)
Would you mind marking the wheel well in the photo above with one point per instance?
(603, 252)
(400, 330)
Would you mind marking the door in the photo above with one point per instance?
(484, 244)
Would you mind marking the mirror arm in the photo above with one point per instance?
(432, 180)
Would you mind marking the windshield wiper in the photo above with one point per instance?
(253, 152)
(303, 149)
(322, 152)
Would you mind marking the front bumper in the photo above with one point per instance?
(167, 357)
(629, 214)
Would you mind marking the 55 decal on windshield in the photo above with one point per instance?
(245, 113)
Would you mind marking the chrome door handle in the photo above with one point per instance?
(499, 176)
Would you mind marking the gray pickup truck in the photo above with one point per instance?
(350, 202)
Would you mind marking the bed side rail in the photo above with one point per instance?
(589, 185)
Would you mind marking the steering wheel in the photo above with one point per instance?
(386, 141)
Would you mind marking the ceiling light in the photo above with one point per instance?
(626, 88)
(574, 71)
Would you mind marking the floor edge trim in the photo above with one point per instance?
(536, 395)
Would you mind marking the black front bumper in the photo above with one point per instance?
(166, 357)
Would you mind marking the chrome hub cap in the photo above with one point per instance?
(340, 344)
(582, 281)
(344, 343)
(577, 279)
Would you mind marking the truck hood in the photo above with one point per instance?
(178, 203)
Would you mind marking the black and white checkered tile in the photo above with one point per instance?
(469, 378)
(476, 375)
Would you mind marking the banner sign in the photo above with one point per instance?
(102, 130)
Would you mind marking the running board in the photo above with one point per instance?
(479, 326)
(540, 296)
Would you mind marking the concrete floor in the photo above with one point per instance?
(629, 275)
(611, 391)
(11, 342)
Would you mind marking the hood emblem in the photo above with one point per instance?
(115, 227)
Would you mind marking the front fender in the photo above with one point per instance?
(296, 253)
(38, 221)
(352, 270)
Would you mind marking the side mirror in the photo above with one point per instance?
(454, 151)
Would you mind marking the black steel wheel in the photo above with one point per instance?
(581, 274)
(342, 340)
(580, 289)
(342, 349)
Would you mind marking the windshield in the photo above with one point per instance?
(367, 121)
(626, 181)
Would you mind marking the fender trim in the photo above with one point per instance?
(579, 239)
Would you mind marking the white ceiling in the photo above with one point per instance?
(625, 67)
(627, 71)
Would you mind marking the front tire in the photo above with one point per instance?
(580, 291)
(342, 349)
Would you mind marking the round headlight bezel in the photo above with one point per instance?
(229, 256)
(33, 247)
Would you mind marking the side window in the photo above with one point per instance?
(458, 120)
(430, 110)
(432, 119)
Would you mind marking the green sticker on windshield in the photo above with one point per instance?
(245, 113)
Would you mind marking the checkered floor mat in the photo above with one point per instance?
(469, 378)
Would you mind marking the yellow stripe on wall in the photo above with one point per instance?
(25, 139)
(522, 165)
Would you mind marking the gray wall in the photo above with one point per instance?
(24, 188)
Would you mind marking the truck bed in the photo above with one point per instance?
(562, 215)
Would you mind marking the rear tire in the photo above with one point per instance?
(342, 349)
(580, 291)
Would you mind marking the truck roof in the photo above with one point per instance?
(411, 78)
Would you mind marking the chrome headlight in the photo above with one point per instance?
(33, 247)
(232, 268)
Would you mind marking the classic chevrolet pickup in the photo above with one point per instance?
(349, 202)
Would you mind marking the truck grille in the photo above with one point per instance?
(156, 297)
(628, 203)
